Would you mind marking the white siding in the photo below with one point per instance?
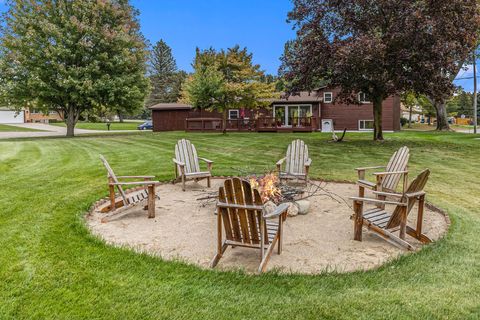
(8, 116)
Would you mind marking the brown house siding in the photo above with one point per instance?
(168, 117)
(349, 115)
(169, 120)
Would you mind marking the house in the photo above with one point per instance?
(8, 115)
(303, 112)
(38, 116)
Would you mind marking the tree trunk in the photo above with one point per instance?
(442, 121)
(224, 121)
(377, 118)
(71, 121)
(410, 117)
(120, 117)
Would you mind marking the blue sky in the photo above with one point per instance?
(259, 25)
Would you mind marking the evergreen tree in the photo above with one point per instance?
(166, 81)
(73, 56)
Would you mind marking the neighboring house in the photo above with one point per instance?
(304, 112)
(38, 116)
(11, 116)
(417, 113)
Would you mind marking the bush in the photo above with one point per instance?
(403, 121)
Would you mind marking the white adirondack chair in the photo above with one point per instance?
(297, 162)
(129, 200)
(187, 166)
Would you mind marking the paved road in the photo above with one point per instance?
(48, 131)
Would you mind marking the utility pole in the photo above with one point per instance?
(474, 91)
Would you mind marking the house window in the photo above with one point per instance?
(327, 97)
(233, 114)
(363, 97)
(365, 125)
(292, 115)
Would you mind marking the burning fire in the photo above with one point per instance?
(267, 186)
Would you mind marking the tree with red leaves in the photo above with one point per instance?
(380, 47)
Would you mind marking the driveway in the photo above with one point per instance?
(48, 131)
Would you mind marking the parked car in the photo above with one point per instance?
(147, 125)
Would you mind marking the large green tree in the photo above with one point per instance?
(73, 56)
(166, 80)
(227, 79)
(380, 47)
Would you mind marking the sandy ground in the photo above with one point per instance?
(320, 241)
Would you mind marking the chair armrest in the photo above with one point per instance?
(279, 162)
(389, 173)
(278, 211)
(206, 160)
(134, 177)
(181, 164)
(370, 200)
(415, 194)
(308, 163)
(145, 183)
(369, 168)
(388, 194)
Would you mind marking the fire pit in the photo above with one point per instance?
(185, 229)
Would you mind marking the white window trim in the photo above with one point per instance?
(331, 97)
(292, 105)
(359, 121)
(230, 117)
(362, 102)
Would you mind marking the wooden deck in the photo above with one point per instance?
(264, 124)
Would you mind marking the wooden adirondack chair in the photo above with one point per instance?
(388, 180)
(187, 166)
(240, 210)
(125, 200)
(297, 162)
(386, 223)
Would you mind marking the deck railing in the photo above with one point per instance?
(245, 124)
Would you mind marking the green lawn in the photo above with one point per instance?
(103, 125)
(52, 267)
(11, 128)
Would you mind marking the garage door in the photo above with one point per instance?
(7, 116)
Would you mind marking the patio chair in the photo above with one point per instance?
(187, 166)
(297, 162)
(386, 223)
(241, 211)
(388, 180)
(126, 200)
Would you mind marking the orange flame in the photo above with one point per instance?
(267, 186)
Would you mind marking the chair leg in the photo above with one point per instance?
(151, 201)
(183, 182)
(112, 197)
(403, 223)
(358, 222)
(208, 182)
(266, 257)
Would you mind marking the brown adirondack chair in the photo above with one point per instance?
(187, 166)
(297, 162)
(125, 200)
(386, 223)
(389, 179)
(240, 211)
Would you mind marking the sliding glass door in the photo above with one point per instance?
(291, 115)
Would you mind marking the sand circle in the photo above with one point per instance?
(321, 241)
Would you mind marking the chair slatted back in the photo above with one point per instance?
(297, 156)
(112, 175)
(242, 211)
(398, 162)
(185, 152)
(417, 185)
